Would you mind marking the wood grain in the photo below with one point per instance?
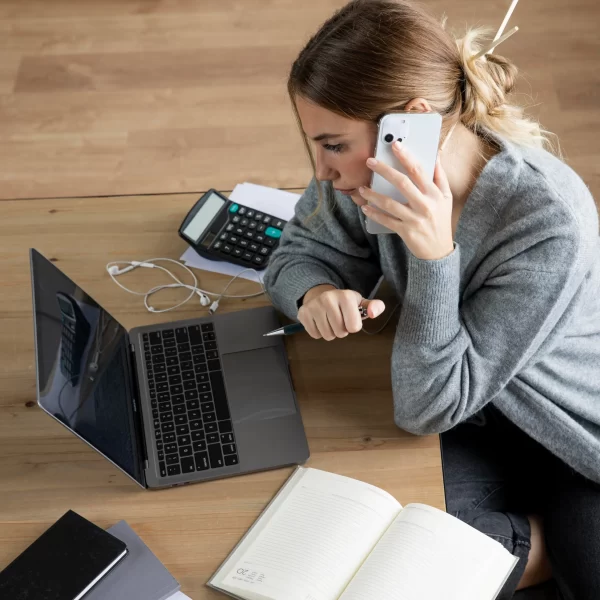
(343, 389)
(148, 96)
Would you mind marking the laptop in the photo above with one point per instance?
(168, 404)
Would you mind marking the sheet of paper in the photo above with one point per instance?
(278, 203)
(179, 596)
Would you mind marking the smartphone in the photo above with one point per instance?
(420, 134)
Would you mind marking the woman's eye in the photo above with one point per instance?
(337, 148)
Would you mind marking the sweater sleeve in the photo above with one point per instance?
(323, 244)
(451, 358)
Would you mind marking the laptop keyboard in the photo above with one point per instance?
(192, 424)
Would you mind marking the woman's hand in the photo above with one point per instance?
(330, 313)
(425, 223)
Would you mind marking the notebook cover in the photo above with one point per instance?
(139, 576)
(62, 562)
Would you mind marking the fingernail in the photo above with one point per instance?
(361, 190)
(371, 162)
(364, 208)
(398, 146)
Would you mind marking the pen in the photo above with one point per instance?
(298, 327)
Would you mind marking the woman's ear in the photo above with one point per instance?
(417, 105)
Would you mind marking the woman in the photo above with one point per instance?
(495, 266)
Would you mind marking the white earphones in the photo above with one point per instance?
(114, 270)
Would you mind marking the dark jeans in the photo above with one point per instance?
(495, 475)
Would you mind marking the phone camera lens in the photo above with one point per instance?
(389, 138)
(399, 139)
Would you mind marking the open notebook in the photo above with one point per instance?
(328, 537)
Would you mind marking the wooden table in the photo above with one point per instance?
(343, 389)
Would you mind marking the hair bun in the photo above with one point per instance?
(488, 80)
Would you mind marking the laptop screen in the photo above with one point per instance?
(83, 372)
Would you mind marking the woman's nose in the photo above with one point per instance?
(323, 171)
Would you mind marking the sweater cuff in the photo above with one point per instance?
(430, 310)
(300, 279)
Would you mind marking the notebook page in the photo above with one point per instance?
(427, 554)
(316, 540)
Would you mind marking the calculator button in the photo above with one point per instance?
(244, 243)
(258, 260)
(261, 228)
(254, 247)
(244, 222)
(260, 239)
(235, 219)
(229, 227)
(249, 235)
(279, 224)
(250, 214)
(227, 249)
(270, 242)
(237, 252)
(247, 256)
(264, 250)
(266, 219)
(242, 210)
(233, 239)
(224, 236)
(239, 231)
(252, 225)
(234, 208)
(273, 232)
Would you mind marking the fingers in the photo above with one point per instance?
(440, 179)
(399, 180)
(309, 323)
(352, 319)
(374, 307)
(392, 207)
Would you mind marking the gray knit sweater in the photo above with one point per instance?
(511, 317)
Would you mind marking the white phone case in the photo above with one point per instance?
(420, 134)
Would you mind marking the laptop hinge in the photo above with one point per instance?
(137, 408)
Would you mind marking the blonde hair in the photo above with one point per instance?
(373, 56)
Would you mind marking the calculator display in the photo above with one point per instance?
(204, 216)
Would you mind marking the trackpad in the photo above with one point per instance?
(258, 385)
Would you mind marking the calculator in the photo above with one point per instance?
(220, 229)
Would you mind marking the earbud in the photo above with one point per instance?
(114, 270)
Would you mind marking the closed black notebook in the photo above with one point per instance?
(63, 563)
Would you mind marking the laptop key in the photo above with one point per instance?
(161, 368)
(156, 349)
(174, 379)
(158, 358)
(203, 387)
(207, 327)
(166, 416)
(226, 438)
(212, 438)
(210, 427)
(209, 417)
(195, 336)
(155, 337)
(184, 440)
(182, 429)
(215, 456)
(164, 406)
(176, 389)
(199, 359)
(183, 348)
(229, 449)
(199, 446)
(160, 377)
(210, 345)
(192, 404)
(179, 409)
(168, 427)
(161, 455)
(185, 451)
(200, 368)
(170, 448)
(225, 426)
(177, 399)
(207, 407)
(169, 438)
(212, 354)
(170, 343)
(191, 395)
(162, 387)
(162, 469)
(187, 365)
(164, 397)
(181, 419)
(198, 435)
(172, 360)
(187, 375)
(214, 365)
(201, 377)
(208, 336)
(194, 414)
(185, 356)
(174, 470)
(172, 369)
(201, 460)
(168, 334)
(219, 396)
(187, 464)
(197, 350)
(172, 459)
(231, 459)
(155, 413)
(195, 425)
(181, 335)
(189, 385)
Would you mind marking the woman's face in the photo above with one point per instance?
(341, 147)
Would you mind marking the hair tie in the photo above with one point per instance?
(497, 39)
